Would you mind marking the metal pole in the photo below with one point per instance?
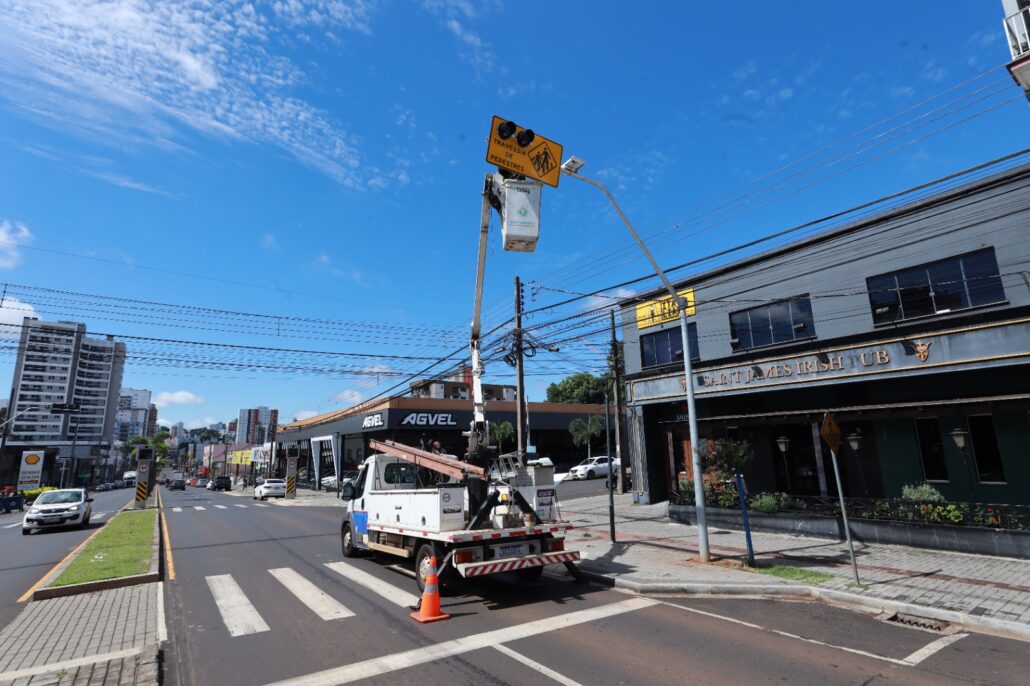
(611, 469)
(844, 514)
(520, 382)
(688, 373)
(747, 521)
(616, 384)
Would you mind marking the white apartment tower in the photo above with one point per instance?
(57, 363)
(133, 417)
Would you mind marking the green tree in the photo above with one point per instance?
(501, 432)
(727, 457)
(584, 433)
(578, 388)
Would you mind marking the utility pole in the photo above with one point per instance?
(520, 382)
(617, 397)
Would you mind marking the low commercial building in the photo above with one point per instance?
(912, 327)
(341, 438)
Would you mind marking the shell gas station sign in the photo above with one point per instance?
(31, 470)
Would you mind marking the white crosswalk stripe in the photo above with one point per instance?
(260, 505)
(239, 505)
(176, 509)
(374, 584)
(199, 507)
(238, 615)
(221, 507)
(317, 600)
(98, 515)
(11, 526)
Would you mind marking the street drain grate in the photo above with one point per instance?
(935, 626)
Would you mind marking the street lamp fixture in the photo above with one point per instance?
(959, 436)
(855, 441)
(783, 443)
(571, 167)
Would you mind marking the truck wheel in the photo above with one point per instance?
(347, 542)
(425, 551)
(530, 573)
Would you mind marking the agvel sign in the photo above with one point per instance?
(372, 421)
(429, 419)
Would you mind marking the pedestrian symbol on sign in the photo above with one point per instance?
(542, 158)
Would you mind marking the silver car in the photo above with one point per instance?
(66, 507)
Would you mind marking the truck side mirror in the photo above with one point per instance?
(348, 491)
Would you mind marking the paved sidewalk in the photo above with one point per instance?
(109, 637)
(654, 553)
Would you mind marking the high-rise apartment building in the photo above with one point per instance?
(58, 364)
(133, 418)
(257, 425)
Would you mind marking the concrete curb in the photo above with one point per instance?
(153, 573)
(973, 622)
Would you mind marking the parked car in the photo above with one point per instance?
(592, 467)
(64, 507)
(103, 487)
(201, 483)
(221, 483)
(177, 485)
(118, 483)
(272, 488)
(330, 481)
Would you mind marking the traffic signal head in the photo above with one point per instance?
(505, 130)
(525, 137)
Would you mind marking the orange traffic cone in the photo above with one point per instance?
(429, 608)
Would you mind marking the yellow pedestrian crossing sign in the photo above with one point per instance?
(523, 151)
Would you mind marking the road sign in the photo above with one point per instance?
(524, 152)
(831, 432)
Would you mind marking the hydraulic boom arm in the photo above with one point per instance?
(478, 434)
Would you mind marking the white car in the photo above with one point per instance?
(271, 488)
(592, 467)
(66, 507)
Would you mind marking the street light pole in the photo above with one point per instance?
(570, 168)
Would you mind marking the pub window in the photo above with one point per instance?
(666, 347)
(779, 322)
(931, 449)
(986, 454)
(955, 283)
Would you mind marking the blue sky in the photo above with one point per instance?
(323, 158)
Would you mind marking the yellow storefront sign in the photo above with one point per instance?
(239, 457)
(662, 310)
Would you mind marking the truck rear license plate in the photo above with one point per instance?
(514, 550)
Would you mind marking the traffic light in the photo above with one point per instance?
(525, 137)
(505, 130)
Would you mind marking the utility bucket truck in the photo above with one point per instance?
(415, 504)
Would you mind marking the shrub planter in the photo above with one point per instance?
(963, 539)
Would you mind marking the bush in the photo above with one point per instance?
(33, 493)
(924, 493)
(765, 503)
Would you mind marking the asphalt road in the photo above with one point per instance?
(25, 559)
(233, 619)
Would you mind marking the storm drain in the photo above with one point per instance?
(935, 626)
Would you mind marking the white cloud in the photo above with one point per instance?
(148, 72)
(166, 398)
(745, 70)
(608, 300)
(13, 235)
(304, 414)
(456, 16)
(269, 242)
(126, 182)
(199, 423)
(348, 396)
(12, 314)
(346, 271)
(167, 423)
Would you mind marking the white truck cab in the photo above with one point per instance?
(407, 504)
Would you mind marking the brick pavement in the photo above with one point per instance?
(653, 549)
(96, 638)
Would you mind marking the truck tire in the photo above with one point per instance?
(347, 542)
(530, 573)
(425, 551)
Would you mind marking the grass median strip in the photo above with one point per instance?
(792, 573)
(123, 548)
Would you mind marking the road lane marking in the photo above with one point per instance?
(238, 615)
(11, 526)
(374, 584)
(199, 507)
(98, 515)
(440, 651)
(239, 505)
(533, 664)
(787, 634)
(176, 509)
(221, 507)
(260, 505)
(317, 600)
(931, 648)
